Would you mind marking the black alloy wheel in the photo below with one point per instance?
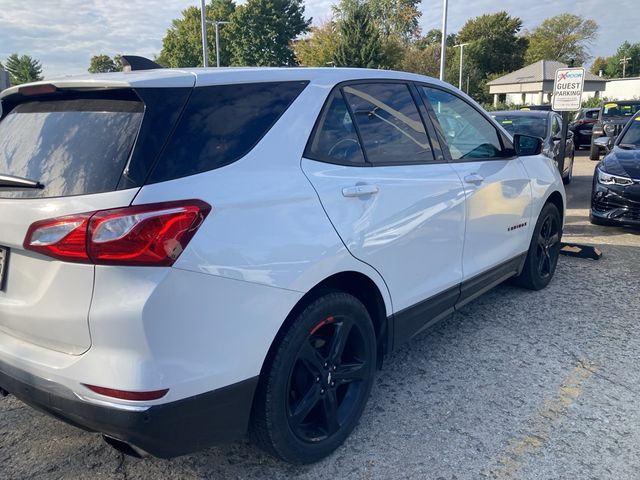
(547, 249)
(315, 390)
(544, 250)
(326, 381)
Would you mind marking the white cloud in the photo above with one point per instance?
(64, 34)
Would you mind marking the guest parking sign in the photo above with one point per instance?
(567, 90)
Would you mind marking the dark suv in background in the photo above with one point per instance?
(582, 124)
(612, 119)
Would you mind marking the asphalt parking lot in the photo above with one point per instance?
(519, 384)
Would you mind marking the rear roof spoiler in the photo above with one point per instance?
(133, 62)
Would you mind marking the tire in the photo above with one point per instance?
(313, 392)
(544, 250)
(567, 180)
(594, 154)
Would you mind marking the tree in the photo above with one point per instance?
(23, 69)
(614, 64)
(434, 37)
(599, 65)
(261, 32)
(564, 38)
(182, 44)
(319, 48)
(105, 64)
(495, 45)
(424, 60)
(359, 42)
(397, 18)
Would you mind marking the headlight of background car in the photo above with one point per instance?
(609, 129)
(597, 130)
(607, 179)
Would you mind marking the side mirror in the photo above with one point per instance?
(604, 143)
(526, 145)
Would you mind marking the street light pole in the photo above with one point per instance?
(443, 46)
(218, 42)
(461, 45)
(205, 52)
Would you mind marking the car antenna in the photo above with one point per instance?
(134, 62)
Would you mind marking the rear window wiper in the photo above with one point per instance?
(10, 181)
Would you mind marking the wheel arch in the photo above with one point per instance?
(354, 283)
(557, 199)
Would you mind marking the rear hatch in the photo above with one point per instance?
(81, 146)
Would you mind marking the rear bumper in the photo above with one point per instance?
(165, 431)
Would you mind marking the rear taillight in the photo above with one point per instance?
(151, 235)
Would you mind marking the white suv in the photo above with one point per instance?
(190, 255)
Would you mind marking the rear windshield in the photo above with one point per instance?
(535, 126)
(72, 147)
(620, 109)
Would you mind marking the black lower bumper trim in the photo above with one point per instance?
(164, 431)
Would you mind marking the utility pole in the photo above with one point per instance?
(205, 50)
(624, 60)
(461, 45)
(218, 42)
(443, 46)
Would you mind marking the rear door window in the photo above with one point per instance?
(335, 139)
(390, 126)
(221, 124)
(72, 147)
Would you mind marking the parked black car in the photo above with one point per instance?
(544, 107)
(546, 125)
(582, 125)
(615, 197)
(611, 120)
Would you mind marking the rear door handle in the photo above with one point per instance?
(360, 190)
(474, 178)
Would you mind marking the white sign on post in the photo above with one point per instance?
(567, 90)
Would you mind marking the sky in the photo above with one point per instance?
(64, 34)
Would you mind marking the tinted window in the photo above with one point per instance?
(466, 131)
(631, 137)
(389, 123)
(335, 138)
(73, 147)
(221, 124)
(523, 124)
(593, 114)
(556, 126)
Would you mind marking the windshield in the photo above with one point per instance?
(536, 126)
(631, 138)
(72, 147)
(620, 110)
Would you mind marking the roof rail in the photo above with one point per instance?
(134, 62)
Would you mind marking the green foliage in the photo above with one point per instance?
(489, 107)
(563, 38)
(359, 43)
(261, 32)
(424, 60)
(105, 64)
(598, 65)
(434, 37)
(182, 44)
(494, 43)
(397, 18)
(494, 47)
(318, 49)
(594, 102)
(614, 65)
(23, 69)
